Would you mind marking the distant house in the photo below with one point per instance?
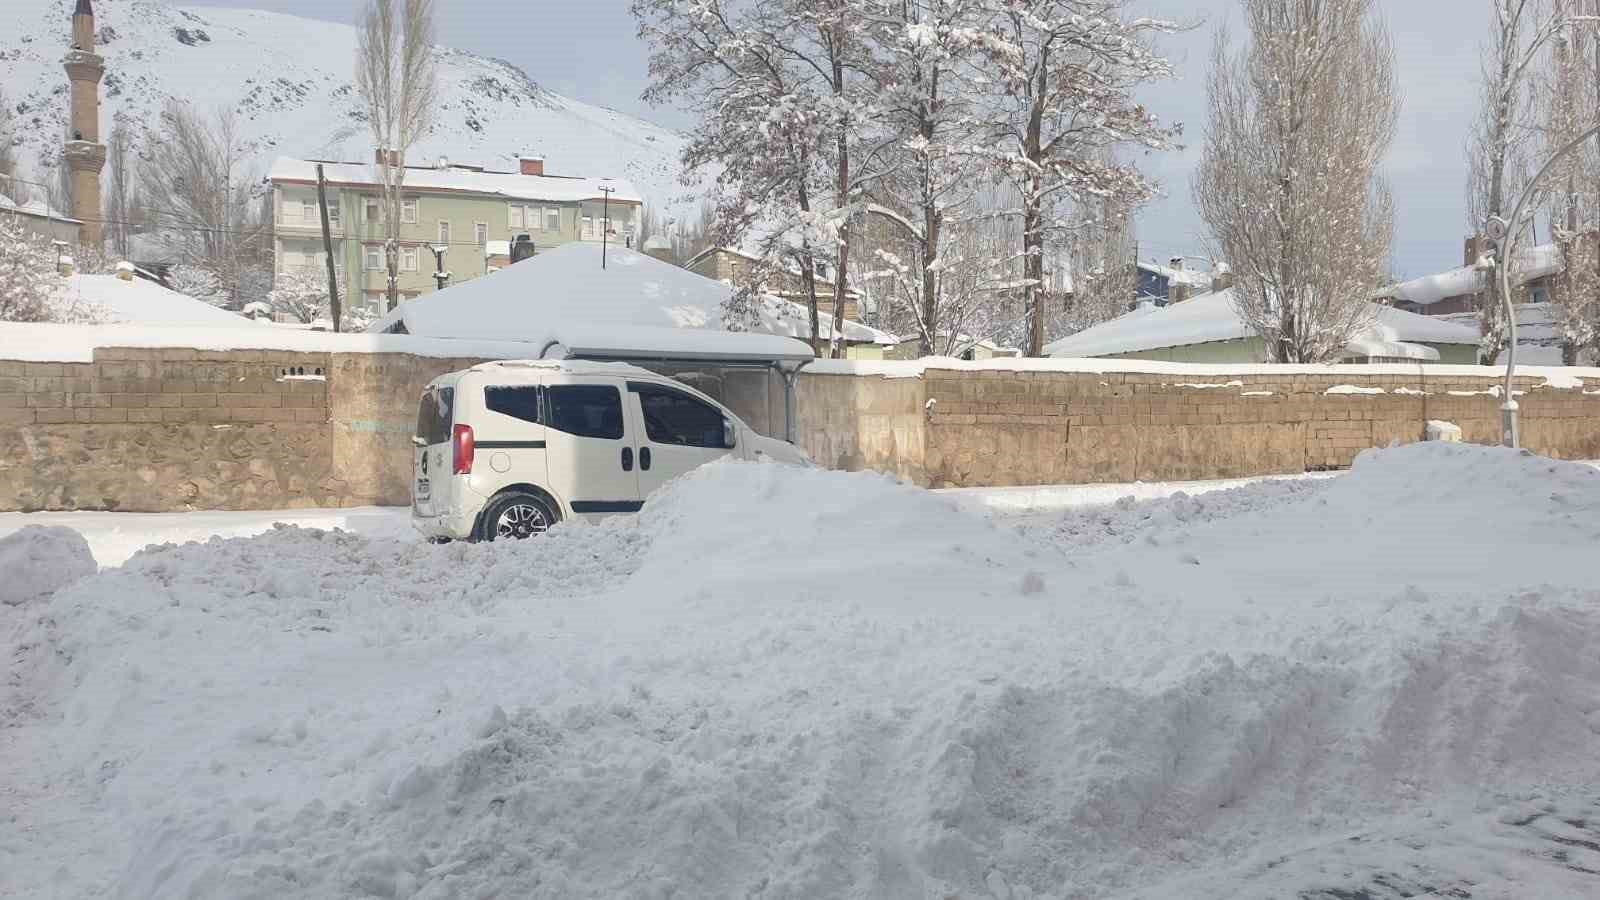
(42, 219)
(1456, 291)
(1208, 329)
(476, 213)
(731, 266)
(1170, 283)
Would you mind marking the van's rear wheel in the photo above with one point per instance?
(516, 516)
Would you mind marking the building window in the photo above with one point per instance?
(292, 259)
(333, 217)
(515, 219)
(408, 259)
(408, 211)
(552, 219)
(444, 232)
(480, 233)
(588, 228)
(369, 210)
(372, 258)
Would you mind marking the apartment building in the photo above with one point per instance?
(470, 212)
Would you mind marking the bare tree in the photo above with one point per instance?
(1063, 95)
(8, 153)
(1288, 182)
(118, 208)
(202, 198)
(1570, 97)
(1501, 141)
(398, 81)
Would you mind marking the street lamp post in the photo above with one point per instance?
(1505, 235)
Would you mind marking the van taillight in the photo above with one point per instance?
(461, 449)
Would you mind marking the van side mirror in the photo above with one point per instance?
(730, 434)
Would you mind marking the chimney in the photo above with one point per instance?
(125, 271)
(444, 163)
(1221, 277)
(380, 153)
(1178, 288)
(531, 165)
(1474, 247)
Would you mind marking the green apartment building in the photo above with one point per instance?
(472, 212)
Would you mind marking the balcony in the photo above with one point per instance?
(309, 221)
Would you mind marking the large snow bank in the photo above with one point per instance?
(787, 683)
(37, 561)
(142, 302)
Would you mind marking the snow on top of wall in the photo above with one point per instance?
(138, 301)
(916, 368)
(423, 178)
(1212, 318)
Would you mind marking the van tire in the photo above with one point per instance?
(524, 515)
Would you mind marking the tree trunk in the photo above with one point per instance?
(930, 255)
(1033, 267)
(808, 280)
(841, 190)
(391, 253)
(1033, 216)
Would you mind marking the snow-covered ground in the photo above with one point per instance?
(784, 683)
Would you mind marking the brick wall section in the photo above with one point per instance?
(141, 429)
(992, 427)
(175, 429)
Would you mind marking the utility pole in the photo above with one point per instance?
(327, 249)
(605, 223)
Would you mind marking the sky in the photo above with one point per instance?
(588, 50)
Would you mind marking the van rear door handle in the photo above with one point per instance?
(644, 458)
(627, 459)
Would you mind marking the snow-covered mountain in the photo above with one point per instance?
(291, 81)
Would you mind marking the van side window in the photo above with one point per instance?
(674, 418)
(433, 415)
(586, 410)
(516, 402)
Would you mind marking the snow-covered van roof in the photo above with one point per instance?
(512, 185)
(1212, 317)
(563, 302)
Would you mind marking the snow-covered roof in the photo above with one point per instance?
(562, 296)
(1531, 263)
(137, 301)
(512, 185)
(1212, 317)
(1185, 276)
(564, 292)
(36, 208)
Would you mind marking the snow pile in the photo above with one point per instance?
(787, 683)
(37, 561)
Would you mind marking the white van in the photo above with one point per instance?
(507, 449)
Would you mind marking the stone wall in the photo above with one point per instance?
(966, 427)
(176, 429)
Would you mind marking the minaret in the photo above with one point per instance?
(84, 153)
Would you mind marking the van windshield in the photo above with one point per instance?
(433, 415)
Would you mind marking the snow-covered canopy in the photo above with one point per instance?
(512, 185)
(1531, 263)
(138, 301)
(637, 305)
(1212, 317)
